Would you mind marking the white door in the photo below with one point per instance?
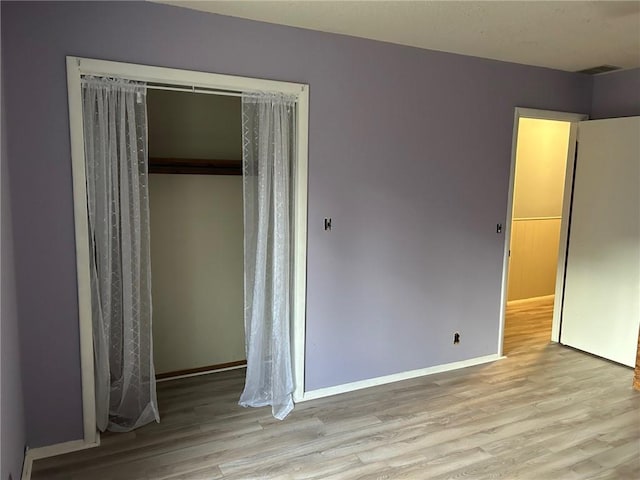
(601, 310)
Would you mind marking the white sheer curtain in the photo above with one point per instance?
(268, 133)
(115, 131)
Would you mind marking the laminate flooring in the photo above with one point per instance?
(545, 412)
(527, 323)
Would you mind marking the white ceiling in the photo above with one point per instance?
(567, 35)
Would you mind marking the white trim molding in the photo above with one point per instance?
(199, 374)
(179, 77)
(573, 118)
(34, 454)
(78, 67)
(397, 377)
(299, 307)
(81, 223)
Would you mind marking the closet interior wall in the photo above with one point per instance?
(196, 230)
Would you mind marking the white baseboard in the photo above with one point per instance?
(396, 377)
(34, 454)
(197, 374)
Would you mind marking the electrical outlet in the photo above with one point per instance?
(456, 338)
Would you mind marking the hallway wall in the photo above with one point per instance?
(541, 160)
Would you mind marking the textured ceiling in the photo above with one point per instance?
(569, 35)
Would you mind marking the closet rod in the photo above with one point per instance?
(195, 90)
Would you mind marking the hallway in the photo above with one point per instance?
(527, 324)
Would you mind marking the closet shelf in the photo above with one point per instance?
(195, 166)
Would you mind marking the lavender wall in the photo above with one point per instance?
(409, 152)
(12, 434)
(616, 94)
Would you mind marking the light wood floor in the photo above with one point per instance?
(545, 412)
(527, 323)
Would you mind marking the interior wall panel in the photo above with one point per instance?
(534, 257)
(197, 270)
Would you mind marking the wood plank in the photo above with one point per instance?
(527, 323)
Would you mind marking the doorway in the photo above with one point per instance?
(77, 68)
(540, 189)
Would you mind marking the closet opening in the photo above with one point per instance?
(196, 223)
(115, 180)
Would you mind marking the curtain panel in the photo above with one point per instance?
(268, 133)
(115, 132)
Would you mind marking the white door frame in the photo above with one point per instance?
(574, 118)
(76, 68)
